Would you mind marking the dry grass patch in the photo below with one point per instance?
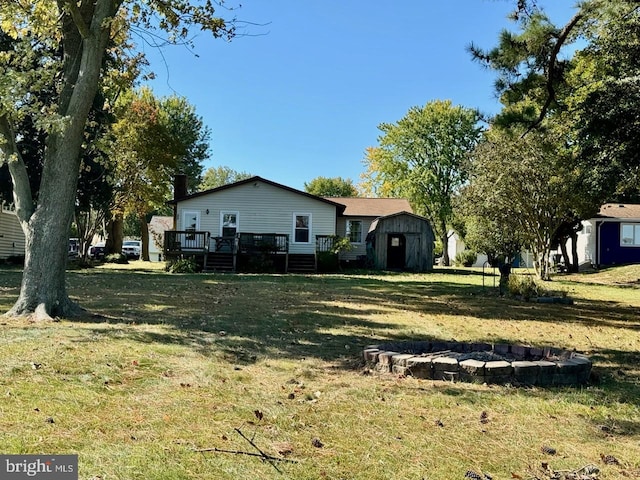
(168, 364)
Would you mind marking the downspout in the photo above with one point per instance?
(598, 225)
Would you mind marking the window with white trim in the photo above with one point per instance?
(354, 231)
(630, 234)
(301, 227)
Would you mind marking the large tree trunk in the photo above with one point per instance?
(565, 254)
(444, 238)
(115, 234)
(144, 237)
(575, 264)
(43, 294)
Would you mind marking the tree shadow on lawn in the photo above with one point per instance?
(286, 312)
(326, 317)
(248, 318)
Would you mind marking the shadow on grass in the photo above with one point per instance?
(249, 317)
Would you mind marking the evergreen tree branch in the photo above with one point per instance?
(552, 66)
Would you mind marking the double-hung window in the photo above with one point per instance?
(301, 227)
(354, 231)
(630, 234)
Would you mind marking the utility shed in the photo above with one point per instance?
(401, 241)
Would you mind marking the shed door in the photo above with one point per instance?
(396, 251)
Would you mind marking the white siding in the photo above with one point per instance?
(11, 235)
(456, 245)
(262, 208)
(586, 244)
(359, 249)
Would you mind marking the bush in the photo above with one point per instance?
(465, 258)
(116, 258)
(328, 262)
(524, 286)
(181, 265)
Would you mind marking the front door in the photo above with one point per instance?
(190, 223)
(228, 224)
(396, 251)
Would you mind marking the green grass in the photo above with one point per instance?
(167, 364)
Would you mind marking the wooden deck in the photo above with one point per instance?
(244, 252)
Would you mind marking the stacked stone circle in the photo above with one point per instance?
(480, 363)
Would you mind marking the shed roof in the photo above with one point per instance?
(372, 207)
(159, 224)
(374, 224)
(619, 210)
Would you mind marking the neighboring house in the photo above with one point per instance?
(12, 241)
(157, 226)
(612, 237)
(257, 220)
(401, 241)
(356, 220)
(455, 245)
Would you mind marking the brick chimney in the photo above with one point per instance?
(179, 186)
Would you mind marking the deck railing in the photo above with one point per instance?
(325, 243)
(189, 241)
(263, 243)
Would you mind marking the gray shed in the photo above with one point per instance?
(401, 241)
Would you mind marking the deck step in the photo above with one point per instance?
(219, 262)
(299, 263)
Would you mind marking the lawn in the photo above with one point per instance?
(164, 365)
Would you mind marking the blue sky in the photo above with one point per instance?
(302, 95)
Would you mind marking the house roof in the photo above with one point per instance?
(339, 206)
(373, 207)
(619, 210)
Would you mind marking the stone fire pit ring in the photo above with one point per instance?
(480, 363)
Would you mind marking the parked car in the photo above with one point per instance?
(74, 244)
(132, 248)
(97, 251)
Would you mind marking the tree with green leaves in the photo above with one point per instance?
(593, 93)
(522, 189)
(422, 157)
(152, 140)
(215, 177)
(331, 187)
(83, 30)
(605, 100)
